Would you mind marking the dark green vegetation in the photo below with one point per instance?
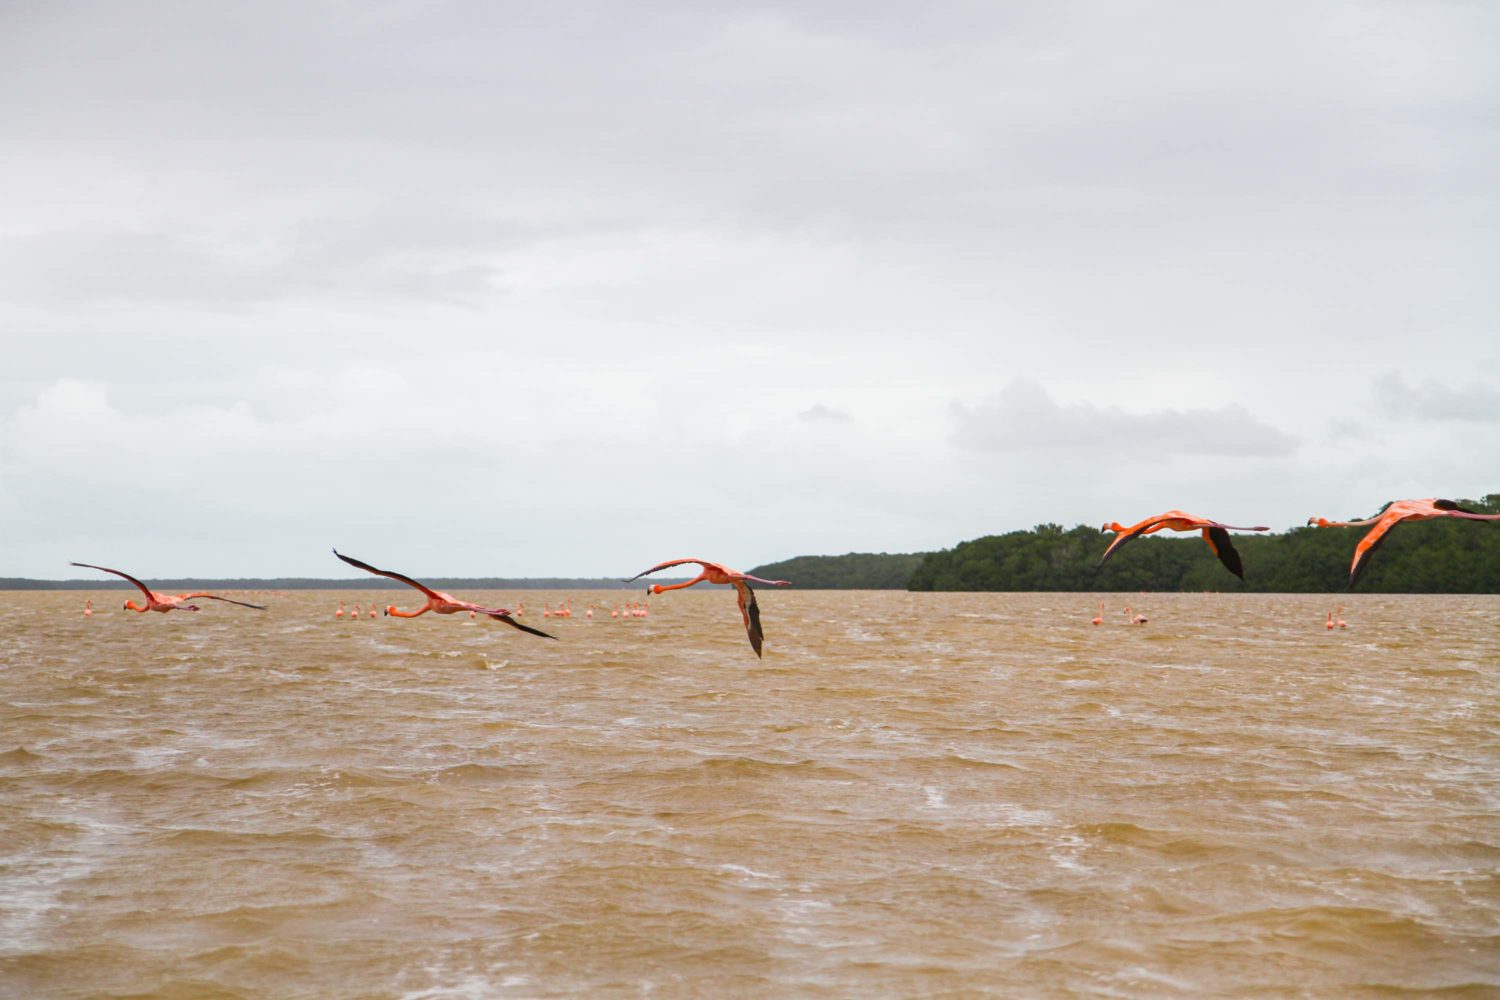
(854, 571)
(1445, 556)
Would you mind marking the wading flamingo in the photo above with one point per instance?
(1340, 616)
(1329, 623)
(439, 602)
(1099, 618)
(1387, 518)
(340, 612)
(165, 602)
(88, 608)
(716, 573)
(1214, 533)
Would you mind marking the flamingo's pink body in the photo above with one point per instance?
(165, 602)
(1392, 514)
(721, 574)
(437, 601)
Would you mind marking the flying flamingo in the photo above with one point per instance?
(165, 602)
(439, 602)
(1214, 533)
(715, 573)
(1388, 517)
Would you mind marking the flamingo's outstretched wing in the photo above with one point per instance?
(1127, 536)
(505, 617)
(144, 589)
(215, 597)
(666, 565)
(1454, 510)
(1367, 546)
(388, 574)
(750, 613)
(1218, 540)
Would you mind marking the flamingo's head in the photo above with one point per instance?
(1320, 522)
(1114, 526)
(132, 606)
(390, 609)
(655, 588)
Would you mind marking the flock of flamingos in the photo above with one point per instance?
(1214, 533)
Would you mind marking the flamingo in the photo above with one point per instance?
(88, 608)
(340, 612)
(1214, 533)
(439, 602)
(165, 602)
(716, 573)
(1388, 517)
(1099, 618)
(1342, 623)
(373, 609)
(1329, 623)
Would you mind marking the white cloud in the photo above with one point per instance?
(1023, 417)
(1434, 400)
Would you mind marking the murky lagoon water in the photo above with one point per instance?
(911, 795)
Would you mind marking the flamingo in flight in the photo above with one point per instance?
(1387, 518)
(165, 602)
(1214, 533)
(439, 602)
(716, 573)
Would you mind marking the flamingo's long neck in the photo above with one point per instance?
(396, 612)
(661, 589)
(130, 605)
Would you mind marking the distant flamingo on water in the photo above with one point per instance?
(1214, 533)
(340, 612)
(1342, 623)
(1329, 623)
(439, 602)
(1099, 618)
(716, 573)
(165, 602)
(1387, 518)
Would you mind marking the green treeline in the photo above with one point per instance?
(854, 571)
(1443, 556)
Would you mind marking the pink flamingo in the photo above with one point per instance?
(1099, 618)
(1329, 623)
(165, 602)
(1214, 533)
(373, 609)
(1388, 517)
(340, 612)
(720, 574)
(88, 608)
(1342, 623)
(437, 601)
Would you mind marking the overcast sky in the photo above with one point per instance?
(475, 289)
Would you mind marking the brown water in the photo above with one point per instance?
(911, 795)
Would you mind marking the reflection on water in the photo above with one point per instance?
(911, 794)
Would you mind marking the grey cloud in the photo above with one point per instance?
(1023, 417)
(1434, 400)
(821, 414)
